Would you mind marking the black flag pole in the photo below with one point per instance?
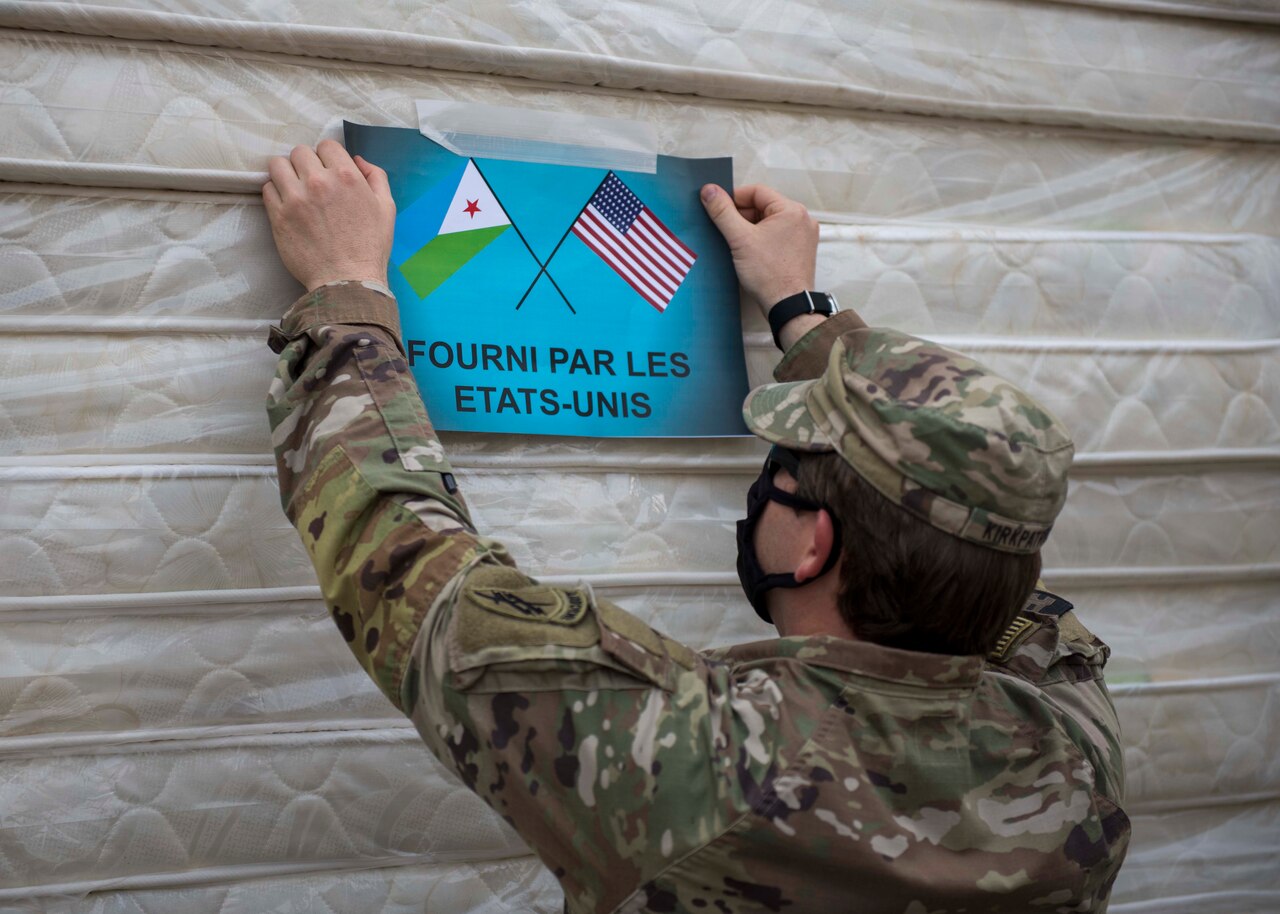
(560, 242)
(541, 266)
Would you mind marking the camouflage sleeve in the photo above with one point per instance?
(1047, 646)
(570, 717)
(807, 358)
(362, 475)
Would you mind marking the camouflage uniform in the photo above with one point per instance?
(798, 774)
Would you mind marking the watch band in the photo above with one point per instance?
(795, 305)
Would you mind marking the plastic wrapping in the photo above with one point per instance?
(202, 528)
(1089, 206)
(187, 257)
(183, 118)
(497, 132)
(1036, 63)
(277, 802)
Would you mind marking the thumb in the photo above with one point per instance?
(720, 207)
(376, 177)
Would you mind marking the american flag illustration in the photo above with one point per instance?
(634, 242)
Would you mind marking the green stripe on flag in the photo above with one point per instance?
(445, 255)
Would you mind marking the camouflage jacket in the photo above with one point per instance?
(798, 774)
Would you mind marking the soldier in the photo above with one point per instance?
(930, 733)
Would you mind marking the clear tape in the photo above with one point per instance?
(523, 134)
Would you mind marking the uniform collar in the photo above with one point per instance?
(873, 661)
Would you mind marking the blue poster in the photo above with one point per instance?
(558, 300)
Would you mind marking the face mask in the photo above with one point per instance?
(756, 582)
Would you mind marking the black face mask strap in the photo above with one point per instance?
(755, 582)
(788, 579)
(791, 500)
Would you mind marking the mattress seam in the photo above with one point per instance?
(833, 226)
(1199, 903)
(1201, 683)
(238, 872)
(1182, 804)
(369, 46)
(211, 737)
(231, 327)
(1181, 10)
(118, 178)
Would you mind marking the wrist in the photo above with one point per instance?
(357, 276)
(814, 306)
(796, 328)
(779, 293)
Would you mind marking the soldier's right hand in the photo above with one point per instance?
(773, 239)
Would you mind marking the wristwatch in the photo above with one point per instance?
(795, 305)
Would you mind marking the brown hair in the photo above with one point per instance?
(909, 585)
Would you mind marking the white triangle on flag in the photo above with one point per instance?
(473, 206)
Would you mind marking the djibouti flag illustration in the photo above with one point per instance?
(459, 217)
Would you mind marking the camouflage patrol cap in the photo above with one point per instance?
(932, 430)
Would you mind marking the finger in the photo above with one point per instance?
(283, 176)
(271, 197)
(751, 214)
(332, 155)
(305, 161)
(723, 213)
(763, 199)
(376, 177)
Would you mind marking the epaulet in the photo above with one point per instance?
(1040, 601)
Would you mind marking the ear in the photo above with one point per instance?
(818, 549)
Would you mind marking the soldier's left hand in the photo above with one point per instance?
(332, 216)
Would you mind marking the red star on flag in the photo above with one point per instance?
(472, 208)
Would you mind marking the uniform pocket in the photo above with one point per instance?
(387, 378)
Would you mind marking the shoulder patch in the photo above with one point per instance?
(501, 609)
(533, 603)
(508, 632)
(1041, 601)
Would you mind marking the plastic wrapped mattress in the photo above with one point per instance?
(1083, 195)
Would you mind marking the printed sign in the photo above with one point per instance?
(559, 300)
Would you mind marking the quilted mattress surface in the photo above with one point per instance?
(1085, 195)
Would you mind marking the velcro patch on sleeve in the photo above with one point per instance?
(1050, 604)
(501, 610)
(1077, 639)
(534, 603)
